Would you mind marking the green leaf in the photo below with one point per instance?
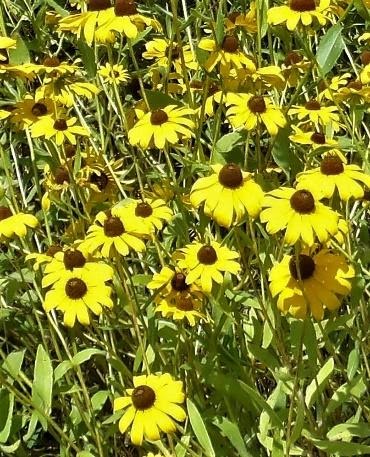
(353, 363)
(356, 388)
(319, 383)
(362, 9)
(283, 155)
(199, 428)
(347, 431)
(62, 369)
(227, 149)
(85, 355)
(330, 48)
(20, 54)
(42, 384)
(337, 447)
(88, 58)
(220, 29)
(182, 446)
(231, 431)
(98, 399)
(158, 100)
(12, 364)
(6, 414)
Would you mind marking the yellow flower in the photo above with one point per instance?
(160, 49)
(299, 12)
(205, 262)
(317, 114)
(175, 297)
(5, 44)
(65, 261)
(307, 284)
(162, 126)
(333, 87)
(313, 138)
(151, 213)
(60, 128)
(300, 213)
(365, 72)
(76, 293)
(41, 258)
(152, 406)
(114, 74)
(111, 234)
(246, 21)
(64, 90)
(15, 224)
(334, 174)
(228, 54)
(229, 193)
(29, 111)
(249, 111)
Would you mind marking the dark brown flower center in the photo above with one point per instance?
(75, 288)
(53, 249)
(143, 210)
(125, 8)
(312, 105)
(4, 213)
(178, 282)
(113, 226)
(73, 259)
(5, 57)
(39, 109)
(185, 304)
(305, 267)
(143, 397)
(366, 196)
(60, 124)
(70, 150)
(51, 62)
(61, 175)
(302, 201)
(101, 180)
(257, 104)
(158, 117)
(230, 176)
(302, 5)
(207, 255)
(331, 165)
(356, 85)
(232, 16)
(230, 44)
(98, 5)
(174, 52)
(292, 57)
(365, 57)
(318, 138)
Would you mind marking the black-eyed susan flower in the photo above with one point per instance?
(365, 72)
(207, 262)
(65, 261)
(250, 111)
(299, 12)
(354, 92)
(334, 174)
(40, 258)
(111, 235)
(314, 138)
(152, 406)
(5, 44)
(316, 113)
(113, 74)
(161, 50)
(61, 129)
(327, 91)
(228, 194)
(53, 67)
(15, 224)
(300, 214)
(64, 90)
(152, 213)
(295, 65)
(175, 297)
(246, 21)
(307, 284)
(29, 111)
(76, 293)
(161, 126)
(228, 54)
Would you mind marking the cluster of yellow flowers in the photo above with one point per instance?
(158, 118)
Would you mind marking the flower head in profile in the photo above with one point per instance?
(308, 283)
(175, 297)
(229, 54)
(299, 13)
(334, 174)
(208, 262)
(161, 127)
(300, 214)
(250, 111)
(246, 21)
(152, 406)
(319, 115)
(61, 129)
(76, 294)
(229, 194)
(41, 258)
(112, 234)
(314, 138)
(15, 224)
